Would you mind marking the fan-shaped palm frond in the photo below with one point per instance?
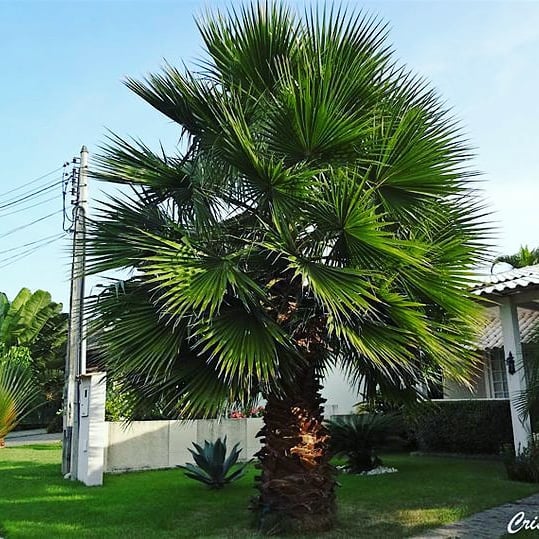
(524, 257)
(321, 210)
(18, 395)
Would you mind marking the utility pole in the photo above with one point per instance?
(76, 345)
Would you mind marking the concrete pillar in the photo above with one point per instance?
(92, 433)
(516, 383)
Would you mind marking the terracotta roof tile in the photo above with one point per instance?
(491, 336)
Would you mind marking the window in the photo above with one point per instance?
(498, 373)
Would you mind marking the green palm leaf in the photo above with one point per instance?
(18, 394)
(319, 187)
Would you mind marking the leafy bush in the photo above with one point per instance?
(56, 424)
(468, 426)
(356, 437)
(123, 404)
(118, 405)
(525, 465)
(256, 411)
(213, 467)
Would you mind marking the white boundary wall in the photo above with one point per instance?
(150, 445)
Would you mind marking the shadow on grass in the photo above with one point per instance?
(35, 501)
(46, 447)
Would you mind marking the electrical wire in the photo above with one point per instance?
(46, 238)
(22, 227)
(27, 252)
(26, 184)
(66, 218)
(16, 258)
(28, 196)
(19, 210)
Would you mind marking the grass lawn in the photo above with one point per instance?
(35, 502)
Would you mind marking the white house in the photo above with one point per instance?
(340, 396)
(491, 380)
(507, 340)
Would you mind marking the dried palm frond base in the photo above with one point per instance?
(297, 483)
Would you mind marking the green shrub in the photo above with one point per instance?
(472, 426)
(213, 467)
(123, 404)
(56, 423)
(524, 466)
(118, 405)
(356, 437)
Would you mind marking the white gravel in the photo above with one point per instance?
(379, 471)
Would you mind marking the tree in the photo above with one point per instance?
(23, 319)
(319, 211)
(18, 394)
(33, 322)
(524, 257)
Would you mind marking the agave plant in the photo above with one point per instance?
(213, 467)
(356, 437)
(18, 394)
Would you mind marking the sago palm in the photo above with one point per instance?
(318, 211)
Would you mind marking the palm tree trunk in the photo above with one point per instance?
(297, 482)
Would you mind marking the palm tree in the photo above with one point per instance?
(524, 257)
(319, 211)
(18, 395)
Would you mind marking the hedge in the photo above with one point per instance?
(41, 417)
(464, 426)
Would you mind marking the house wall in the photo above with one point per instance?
(480, 387)
(340, 396)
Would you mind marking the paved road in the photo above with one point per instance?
(27, 437)
(492, 523)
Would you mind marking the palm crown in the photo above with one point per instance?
(319, 211)
(524, 257)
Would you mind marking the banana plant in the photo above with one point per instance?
(22, 319)
(32, 321)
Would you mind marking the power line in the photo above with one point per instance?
(29, 251)
(16, 258)
(46, 238)
(67, 221)
(27, 196)
(50, 199)
(22, 227)
(26, 184)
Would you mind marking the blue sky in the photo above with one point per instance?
(62, 64)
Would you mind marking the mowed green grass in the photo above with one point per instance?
(35, 502)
